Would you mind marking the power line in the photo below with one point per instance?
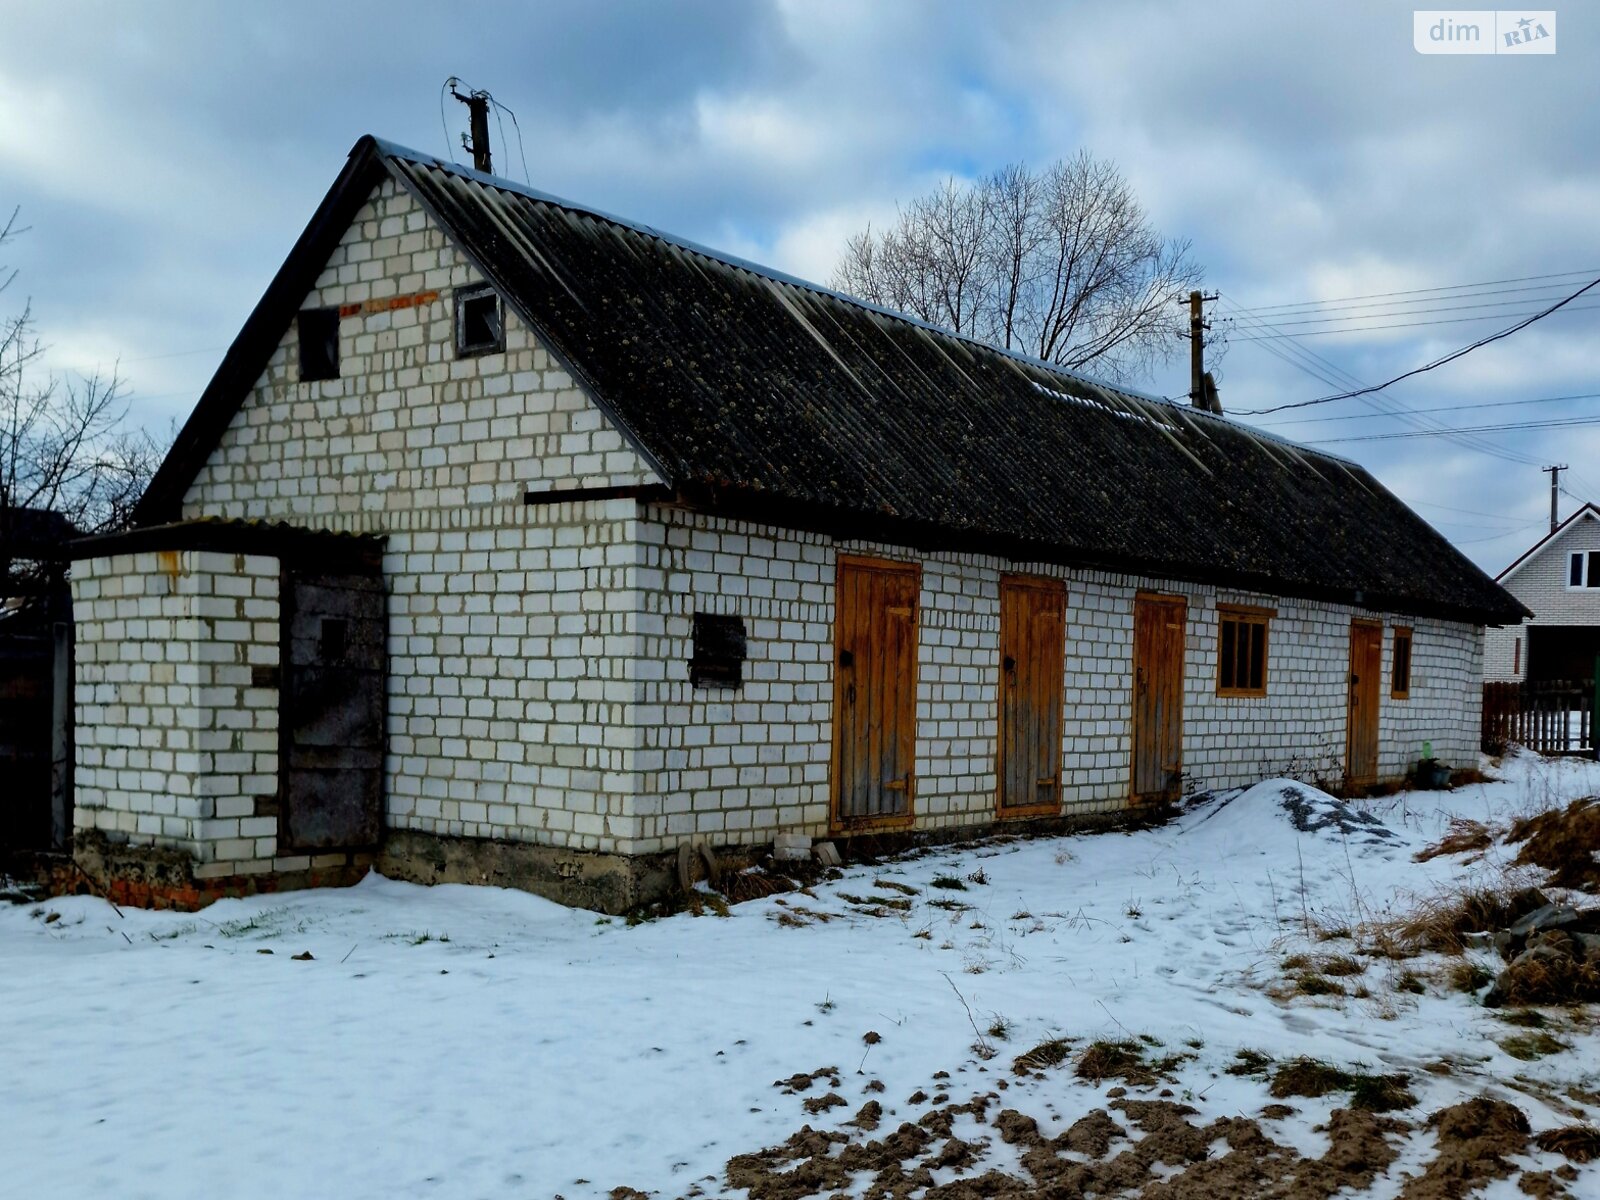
(1331, 373)
(1494, 537)
(1409, 324)
(1267, 308)
(1415, 312)
(1401, 308)
(1438, 362)
(1561, 423)
(1449, 408)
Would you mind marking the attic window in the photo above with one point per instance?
(480, 327)
(719, 649)
(1583, 569)
(319, 343)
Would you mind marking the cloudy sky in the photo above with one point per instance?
(166, 155)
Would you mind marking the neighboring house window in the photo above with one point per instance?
(1583, 569)
(1400, 671)
(718, 655)
(480, 325)
(319, 344)
(1242, 650)
(1516, 657)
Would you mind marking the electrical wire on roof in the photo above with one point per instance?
(444, 87)
(1438, 362)
(517, 125)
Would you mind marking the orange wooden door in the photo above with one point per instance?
(1033, 627)
(1158, 698)
(1361, 730)
(875, 692)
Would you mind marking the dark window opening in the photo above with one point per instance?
(480, 328)
(319, 344)
(1516, 657)
(1400, 675)
(1242, 653)
(1583, 569)
(334, 636)
(719, 651)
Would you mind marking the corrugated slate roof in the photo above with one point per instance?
(760, 395)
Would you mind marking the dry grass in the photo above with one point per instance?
(1461, 837)
(1046, 1054)
(1556, 980)
(1441, 922)
(1562, 841)
(1530, 1046)
(1371, 1092)
(1580, 1143)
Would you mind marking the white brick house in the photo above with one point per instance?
(676, 550)
(1558, 580)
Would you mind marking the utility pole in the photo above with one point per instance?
(1202, 388)
(1555, 490)
(477, 103)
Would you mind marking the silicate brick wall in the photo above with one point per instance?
(174, 742)
(737, 765)
(1541, 584)
(510, 641)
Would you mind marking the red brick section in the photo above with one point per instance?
(190, 897)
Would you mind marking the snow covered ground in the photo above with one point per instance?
(464, 1042)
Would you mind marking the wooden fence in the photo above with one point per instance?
(1549, 717)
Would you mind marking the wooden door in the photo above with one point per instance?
(1361, 730)
(1158, 623)
(332, 710)
(875, 693)
(1033, 617)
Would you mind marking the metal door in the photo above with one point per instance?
(1158, 623)
(1033, 615)
(332, 713)
(1361, 736)
(874, 692)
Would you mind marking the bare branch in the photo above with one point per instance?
(1062, 264)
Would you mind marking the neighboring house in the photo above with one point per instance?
(1558, 580)
(519, 543)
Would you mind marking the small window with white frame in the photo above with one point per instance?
(1583, 569)
(480, 322)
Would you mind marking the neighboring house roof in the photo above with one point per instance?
(1588, 510)
(761, 396)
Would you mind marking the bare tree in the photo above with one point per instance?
(1061, 264)
(64, 444)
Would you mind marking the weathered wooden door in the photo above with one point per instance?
(332, 715)
(1158, 698)
(875, 692)
(1033, 615)
(1361, 730)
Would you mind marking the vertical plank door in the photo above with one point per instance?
(1158, 698)
(332, 710)
(1361, 731)
(875, 693)
(1033, 616)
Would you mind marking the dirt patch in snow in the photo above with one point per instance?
(1311, 811)
(1161, 1152)
(1151, 1149)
